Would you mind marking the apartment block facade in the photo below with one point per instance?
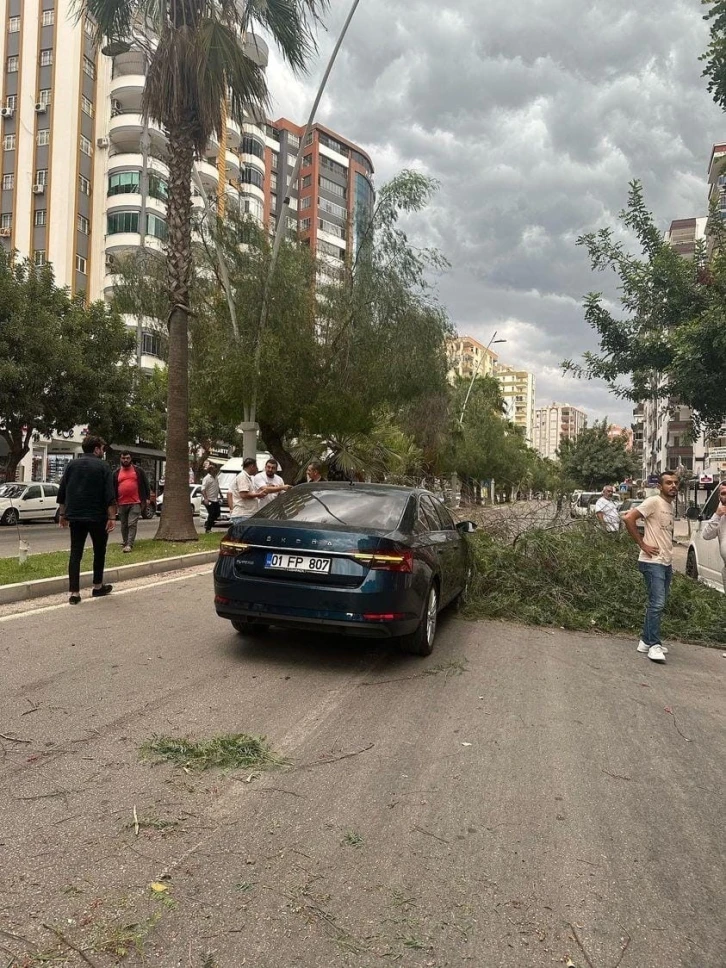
(555, 423)
(468, 357)
(518, 390)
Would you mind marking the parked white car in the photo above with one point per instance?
(31, 501)
(195, 496)
(703, 561)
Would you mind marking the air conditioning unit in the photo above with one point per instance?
(6, 112)
(40, 107)
(38, 189)
(115, 104)
(102, 142)
(4, 233)
(110, 262)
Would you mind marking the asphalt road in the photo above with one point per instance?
(520, 798)
(44, 536)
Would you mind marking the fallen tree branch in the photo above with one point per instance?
(69, 944)
(334, 759)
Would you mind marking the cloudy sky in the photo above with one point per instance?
(533, 116)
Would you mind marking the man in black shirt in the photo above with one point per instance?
(87, 500)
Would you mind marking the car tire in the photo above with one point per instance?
(421, 642)
(691, 565)
(250, 628)
(11, 517)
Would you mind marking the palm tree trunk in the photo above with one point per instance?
(177, 523)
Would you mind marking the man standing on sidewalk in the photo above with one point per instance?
(132, 495)
(88, 506)
(244, 494)
(271, 481)
(211, 496)
(716, 528)
(655, 561)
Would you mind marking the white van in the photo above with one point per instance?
(227, 473)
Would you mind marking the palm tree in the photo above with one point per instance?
(197, 65)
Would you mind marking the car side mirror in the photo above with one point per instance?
(465, 527)
(693, 514)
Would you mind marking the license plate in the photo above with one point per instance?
(305, 563)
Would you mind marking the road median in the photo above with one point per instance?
(46, 574)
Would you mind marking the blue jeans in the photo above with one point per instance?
(657, 580)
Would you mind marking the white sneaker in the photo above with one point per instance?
(655, 653)
(126, 549)
(644, 647)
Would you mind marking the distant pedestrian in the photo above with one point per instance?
(132, 496)
(314, 472)
(87, 502)
(655, 561)
(271, 481)
(244, 494)
(716, 528)
(605, 510)
(211, 497)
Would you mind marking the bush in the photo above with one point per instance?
(583, 578)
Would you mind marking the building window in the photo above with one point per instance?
(9, 142)
(124, 183)
(331, 143)
(84, 185)
(41, 176)
(8, 182)
(335, 166)
(46, 57)
(43, 137)
(331, 228)
(88, 27)
(251, 176)
(48, 18)
(156, 226)
(330, 186)
(305, 224)
(120, 222)
(39, 217)
(6, 220)
(12, 64)
(86, 146)
(89, 67)
(86, 106)
(327, 248)
(39, 257)
(306, 202)
(82, 224)
(307, 181)
(151, 344)
(251, 146)
(158, 188)
(11, 101)
(81, 264)
(292, 140)
(324, 205)
(44, 96)
(13, 25)
(307, 161)
(274, 161)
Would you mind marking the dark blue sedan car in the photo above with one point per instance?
(363, 559)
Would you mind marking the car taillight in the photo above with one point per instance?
(397, 561)
(230, 549)
(382, 616)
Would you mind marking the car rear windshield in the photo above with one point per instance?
(350, 507)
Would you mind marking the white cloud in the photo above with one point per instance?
(534, 118)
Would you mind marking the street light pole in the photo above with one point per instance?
(475, 374)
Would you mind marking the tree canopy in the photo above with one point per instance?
(593, 459)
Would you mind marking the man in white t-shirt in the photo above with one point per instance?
(243, 495)
(605, 510)
(655, 561)
(271, 481)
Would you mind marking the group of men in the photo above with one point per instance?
(655, 561)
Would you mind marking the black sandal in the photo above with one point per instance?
(74, 599)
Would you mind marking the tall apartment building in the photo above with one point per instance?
(555, 423)
(518, 390)
(468, 357)
(332, 202)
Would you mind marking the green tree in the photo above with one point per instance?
(197, 66)
(593, 460)
(62, 363)
(670, 342)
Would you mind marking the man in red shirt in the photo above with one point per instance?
(132, 495)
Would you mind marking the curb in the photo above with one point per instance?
(39, 587)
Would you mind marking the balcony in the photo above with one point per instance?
(208, 173)
(232, 160)
(132, 200)
(125, 160)
(126, 128)
(128, 87)
(234, 134)
(122, 242)
(257, 50)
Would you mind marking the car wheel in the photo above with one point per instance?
(11, 517)
(421, 642)
(692, 565)
(250, 628)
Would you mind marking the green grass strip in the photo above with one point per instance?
(51, 564)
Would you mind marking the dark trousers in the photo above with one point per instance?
(214, 509)
(99, 536)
